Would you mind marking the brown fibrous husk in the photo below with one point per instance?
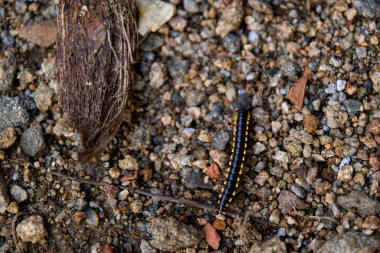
(96, 47)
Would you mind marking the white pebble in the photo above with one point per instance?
(340, 85)
(344, 162)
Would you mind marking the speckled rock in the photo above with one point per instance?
(8, 137)
(7, 70)
(32, 140)
(368, 8)
(171, 235)
(32, 229)
(351, 242)
(129, 163)
(232, 43)
(335, 119)
(153, 14)
(361, 201)
(194, 179)
(290, 68)
(231, 18)
(310, 123)
(43, 97)
(273, 245)
(12, 112)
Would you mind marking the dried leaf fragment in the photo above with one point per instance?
(213, 171)
(212, 237)
(297, 92)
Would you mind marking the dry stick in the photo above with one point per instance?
(157, 197)
(14, 232)
(316, 217)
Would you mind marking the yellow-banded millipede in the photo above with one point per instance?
(237, 158)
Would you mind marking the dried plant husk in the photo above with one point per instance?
(96, 45)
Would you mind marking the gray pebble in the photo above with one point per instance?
(195, 97)
(178, 67)
(19, 194)
(335, 62)
(78, 204)
(221, 140)
(361, 52)
(92, 217)
(152, 42)
(191, 6)
(361, 201)
(7, 71)
(352, 106)
(277, 171)
(32, 140)
(299, 191)
(351, 242)
(259, 148)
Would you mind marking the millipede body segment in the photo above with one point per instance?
(236, 163)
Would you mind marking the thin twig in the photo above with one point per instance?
(316, 217)
(14, 232)
(157, 197)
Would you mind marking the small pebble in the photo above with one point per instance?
(32, 229)
(8, 137)
(19, 194)
(129, 163)
(32, 140)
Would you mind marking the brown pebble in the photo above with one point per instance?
(42, 33)
(7, 138)
(374, 126)
(219, 157)
(310, 123)
(108, 248)
(146, 174)
(288, 201)
(219, 225)
(371, 222)
(262, 177)
(374, 161)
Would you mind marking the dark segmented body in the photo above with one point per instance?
(236, 163)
